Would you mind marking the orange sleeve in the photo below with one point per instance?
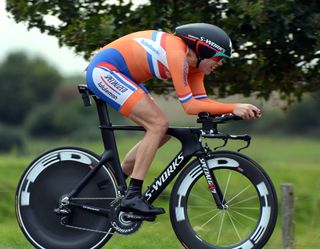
(181, 77)
(195, 80)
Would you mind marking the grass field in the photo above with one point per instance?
(294, 160)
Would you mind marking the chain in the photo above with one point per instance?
(86, 229)
(92, 198)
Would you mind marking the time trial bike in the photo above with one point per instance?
(69, 197)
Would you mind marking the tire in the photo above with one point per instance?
(41, 186)
(249, 220)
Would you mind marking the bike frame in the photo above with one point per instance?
(190, 139)
(191, 145)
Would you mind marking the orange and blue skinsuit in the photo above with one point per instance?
(116, 74)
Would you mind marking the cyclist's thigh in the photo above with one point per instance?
(106, 82)
(148, 114)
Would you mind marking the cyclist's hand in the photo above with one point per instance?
(247, 111)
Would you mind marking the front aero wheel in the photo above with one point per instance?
(45, 181)
(250, 213)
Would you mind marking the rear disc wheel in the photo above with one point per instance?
(40, 189)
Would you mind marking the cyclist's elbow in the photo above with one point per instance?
(189, 110)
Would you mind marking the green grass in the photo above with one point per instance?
(294, 160)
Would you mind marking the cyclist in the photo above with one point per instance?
(116, 75)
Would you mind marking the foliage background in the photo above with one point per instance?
(276, 42)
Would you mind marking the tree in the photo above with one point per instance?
(303, 118)
(24, 83)
(277, 43)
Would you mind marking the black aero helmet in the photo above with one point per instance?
(206, 40)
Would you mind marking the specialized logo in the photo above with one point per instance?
(164, 176)
(206, 172)
(212, 44)
(115, 84)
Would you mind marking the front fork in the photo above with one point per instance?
(213, 184)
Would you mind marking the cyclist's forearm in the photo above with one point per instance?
(193, 107)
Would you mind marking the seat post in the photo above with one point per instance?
(103, 113)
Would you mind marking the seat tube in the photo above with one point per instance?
(109, 141)
(212, 182)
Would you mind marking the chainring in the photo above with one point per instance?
(120, 223)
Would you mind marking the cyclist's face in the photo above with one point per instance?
(207, 66)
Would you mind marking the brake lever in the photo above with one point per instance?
(248, 140)
(224, 144)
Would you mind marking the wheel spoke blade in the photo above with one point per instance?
(234, 226)
(245, 200)
(241, 192)
(246, 208)
(246, 216)
(203, 214)
(201, 198)
(226, 188)
(213, 217)
(220, 228)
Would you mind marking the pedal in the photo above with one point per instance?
(137, 216)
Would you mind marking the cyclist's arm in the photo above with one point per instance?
(196, 83)
(179, 72)
(246, 111)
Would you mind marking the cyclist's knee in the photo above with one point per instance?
(159, 126)
(164, 125)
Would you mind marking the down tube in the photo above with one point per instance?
(167, 175)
